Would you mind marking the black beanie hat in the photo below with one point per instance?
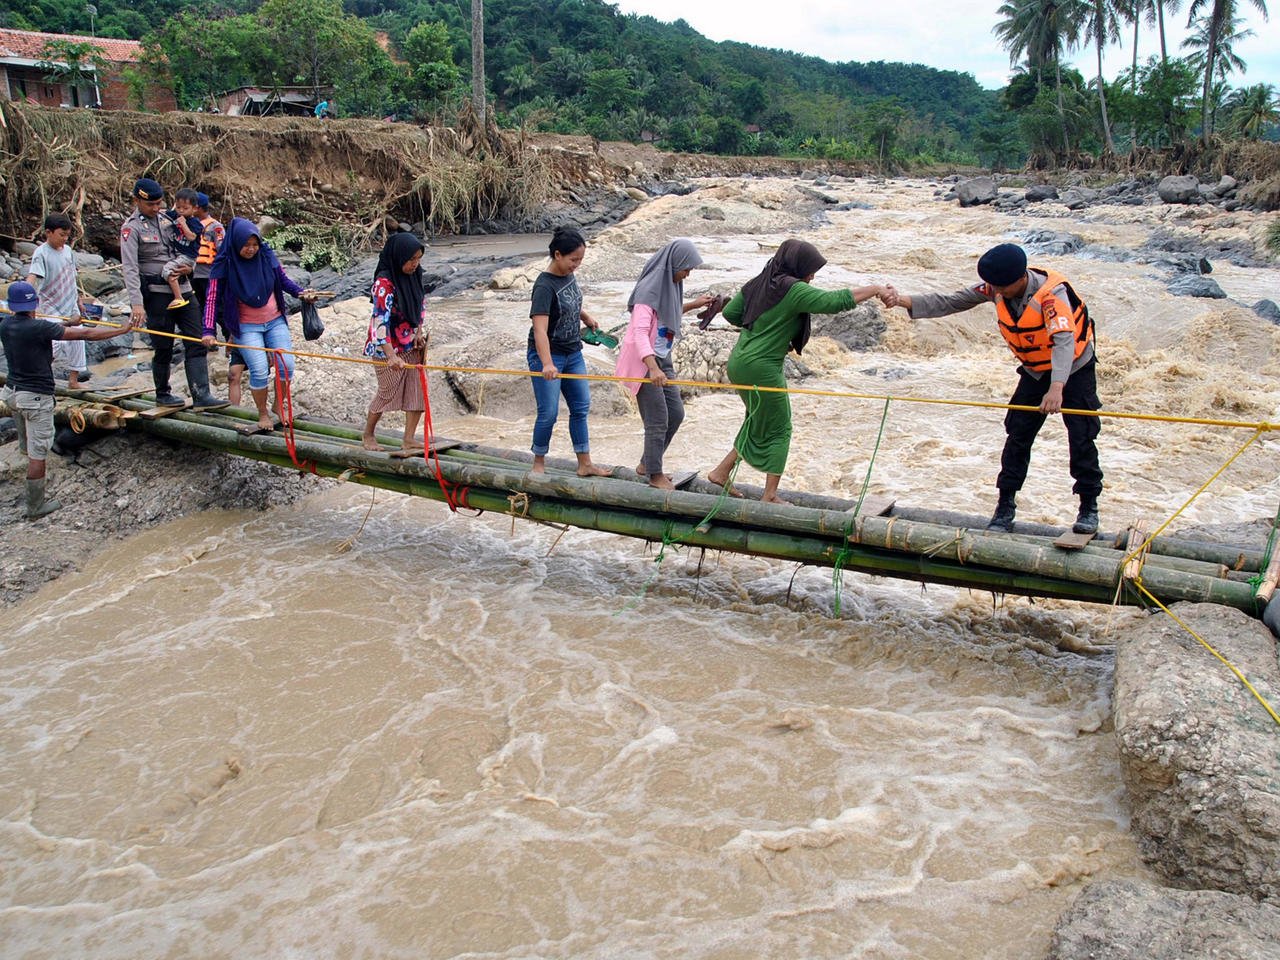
(148, 189)
(1003, 265)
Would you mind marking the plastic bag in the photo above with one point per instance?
(312, 325)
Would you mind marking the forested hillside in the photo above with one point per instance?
(574, 66)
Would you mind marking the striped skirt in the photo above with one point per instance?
(399, 389)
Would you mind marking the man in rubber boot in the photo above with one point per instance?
(146, 242)
(28, 341)
(1048, 329)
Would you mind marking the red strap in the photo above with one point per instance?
(429, 433)
(285, 396)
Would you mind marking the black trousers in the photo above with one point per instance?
(1080, 392)
(186, 321)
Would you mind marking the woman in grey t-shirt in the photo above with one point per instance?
(555, 348)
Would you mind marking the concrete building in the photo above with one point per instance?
(22, 77)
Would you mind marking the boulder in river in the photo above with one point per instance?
(977, 191)
(1178, 189)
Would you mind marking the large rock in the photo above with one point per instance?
(99, 283)
(858, 329)
(1052, 243)
(1179, 189)
(1193, 285)
(1198, 751)
(977, 191)
(1134, 920)
(1077, 198)
(1041, 192)
(1268, 310)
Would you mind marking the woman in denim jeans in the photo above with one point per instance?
(246, 291)
(555, 347)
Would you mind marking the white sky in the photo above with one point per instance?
(947, 34)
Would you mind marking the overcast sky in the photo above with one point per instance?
(947, 34)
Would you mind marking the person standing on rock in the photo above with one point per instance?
(398, 336)
(146, 238)
(555, 347)
(53, 274)
(657, 311)
(27, 341)
(773, 311)
(1048, 329)
(247, 285)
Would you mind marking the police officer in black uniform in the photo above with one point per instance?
(145, 241)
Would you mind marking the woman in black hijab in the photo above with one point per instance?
(773, 311)
(398, 336)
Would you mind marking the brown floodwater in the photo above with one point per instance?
(241, 735)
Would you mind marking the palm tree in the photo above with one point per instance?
(1102, 23)
(1216, 36)
(1253, 109)
(477, 59)
(1172, 6)
(1042, 30)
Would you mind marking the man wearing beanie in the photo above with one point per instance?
(1047, 327)
(27, 340)
(146, 239)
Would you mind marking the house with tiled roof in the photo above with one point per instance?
(24, 74)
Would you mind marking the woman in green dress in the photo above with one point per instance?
(773, 311)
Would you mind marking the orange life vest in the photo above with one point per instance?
(1030, 336)
(208, 249)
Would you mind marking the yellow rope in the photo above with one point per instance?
(1217, 473)
(1229, 665)
(1259, 426)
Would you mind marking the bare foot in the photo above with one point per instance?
(723, 482)
(370, 443)
(538, 467)
(266, 423)
(662, 482)
(641, 471)
(772, 498)
(591, 470)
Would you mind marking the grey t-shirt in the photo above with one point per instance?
(560, 299)
(57, 287)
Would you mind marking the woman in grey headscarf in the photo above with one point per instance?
(657, 307)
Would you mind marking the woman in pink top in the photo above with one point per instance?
(246, 292)
(657, 307)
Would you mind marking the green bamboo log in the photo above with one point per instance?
(894, 533)
(912, 551)
(1201, 568)
(732, 539)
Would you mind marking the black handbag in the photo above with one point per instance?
(312, 325)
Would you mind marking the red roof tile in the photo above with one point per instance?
(27, 45)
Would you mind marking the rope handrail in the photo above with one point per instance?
(1259, 426)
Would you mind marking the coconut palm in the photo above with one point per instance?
(1102, 25)
(477, 60)
(1217, 34)
(1162, 7)
(1253, 109)
(1042, 30)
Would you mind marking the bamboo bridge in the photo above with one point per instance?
(874, 537)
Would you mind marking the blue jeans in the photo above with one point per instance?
(577, 395)
(274, 336)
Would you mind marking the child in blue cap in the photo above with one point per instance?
(27, 340)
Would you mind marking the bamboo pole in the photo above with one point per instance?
(919, 551)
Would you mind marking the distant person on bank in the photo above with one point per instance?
(773, 311)
(246, 294)
(555, 347)
(53, 274)
(1048, 329)
(27, 341)
(145, 241)
(398, 336)
(657, 308)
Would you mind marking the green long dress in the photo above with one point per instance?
(765, 437)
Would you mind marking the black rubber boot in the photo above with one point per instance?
(37, 505)
(1087, 518)
(1006, 509)
(198, 381)
(164, 396)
